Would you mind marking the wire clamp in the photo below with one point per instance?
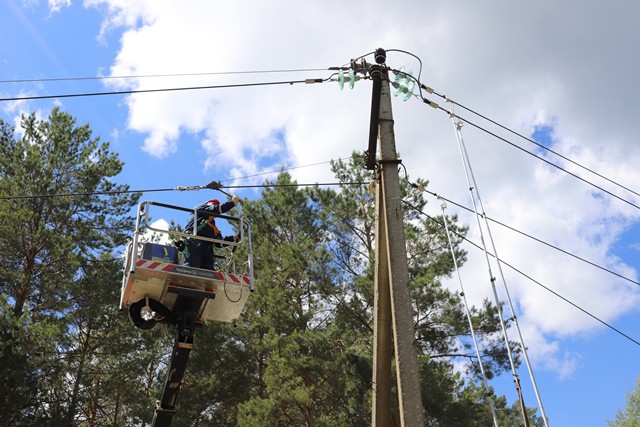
(189, 188)
(214, 185)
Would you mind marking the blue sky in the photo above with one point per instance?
(571, 85)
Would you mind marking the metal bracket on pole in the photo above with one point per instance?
(370, 155)
(390, 161)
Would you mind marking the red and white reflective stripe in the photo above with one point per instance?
(232, 278)
(225, 277)
(154, 265)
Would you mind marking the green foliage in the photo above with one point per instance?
(301, 354)
(56, 273)
(292, 310)
(629, 416)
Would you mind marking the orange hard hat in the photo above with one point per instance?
(213, 201)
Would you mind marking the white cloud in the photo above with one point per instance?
(155, 236)
(56, 5)
(549, 353)
(578, 78)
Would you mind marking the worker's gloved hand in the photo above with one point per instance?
(236, 200)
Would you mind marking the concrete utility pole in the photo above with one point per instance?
(393, 313)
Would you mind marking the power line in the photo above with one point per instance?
(635, 282)
(321, 184)
(422, 86)
(307, 81)
(283, 170)
(92, 193)
(530, 278)
(144, 76)
(108, 193)
(438, 196)
(550, 163)
(539, 145)
(177, 89)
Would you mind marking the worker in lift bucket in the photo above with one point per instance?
(199, 253)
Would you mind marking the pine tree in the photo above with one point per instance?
(302, 352)
(287, 362)
(55, 226)
(441, 328)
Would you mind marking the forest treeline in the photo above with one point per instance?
(301, 353)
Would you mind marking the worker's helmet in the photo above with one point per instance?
(213, 202)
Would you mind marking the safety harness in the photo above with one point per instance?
(202, 223)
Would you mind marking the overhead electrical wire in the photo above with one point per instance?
(440, 197)
(434, 194)
(310, 81)
(457, 120)
(355, 183)
(428, 89)
(415, 56)
(421, 86)
(283, 170)
(176, 89)
(435, 105)
(422, 189)
(320, 184)
(544, 147)
(106, 193)
(550, 163)
(145, 76)
(593, 316)
(564, 251)
(359, 183)
(428, 102)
